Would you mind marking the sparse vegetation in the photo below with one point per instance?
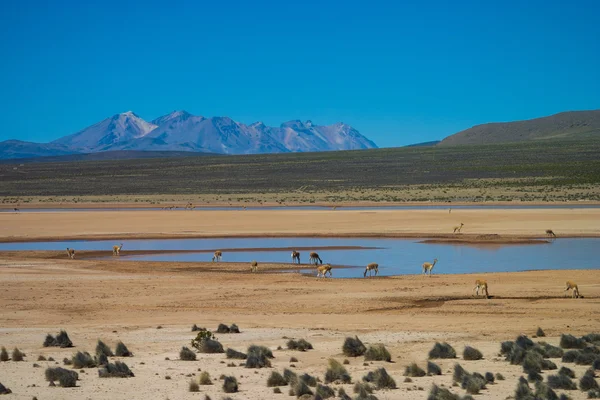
(413, 370)
(204, 378)
(276, 379)
(324, 391)
(222, 328)
(489, 377)
(117, 370)
(561, 382)
(65, 377)
(103, 349)
(377, 352)
(186, 354)
(308, 379)
(433, 368)
(439, 393)
(61, 340)
(234, 329)
(206, 343)
(230, 384)
(587, 381)
(300, 345)
(300, 389)
(258, 357)
(571, 342)
(122, 351)
(540, 332)
(471, 353)
(499, 376)
(276, 390)
(290, 376)
(337, 373)
(570, 356)
(17, 355)
(236, 355)
(83, 360)
(193, 386)
(442, 350)
(567, 372)
(353, 347)
(381, 379)
(4, 354)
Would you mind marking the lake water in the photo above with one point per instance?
(394, 256)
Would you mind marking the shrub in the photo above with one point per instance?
(471, 353)
(193, 386)
(561, 382)
(222, 328)
(378, 352)
(61, 340)
(543, 391)
(549, 351)
(523, 391)
(308, 379)
(65, 377)
(567, 372)
(433, 368)
(41, 358)
(116, 370)
(204, 378)
(234, 329)
(236, 355)
(548, 365)
(67, 361)
(337, 373)
(540, 332)
(524, 342)
(353, 347)
(506, 347)
(196, 328)
(324, 391)
(17, 355)
(102, 348)
(101, 359)
(596, 364)
(381, 379)
(473, 383)
(532, 362)
(276, 379)
(442, 350)
(4, 389)
(293, 359)
(364, 392)
(230, 384)
(571, 342)
(343, 395)
(413, 370)
(290, 376)
(206, 343)
(300, 345)
(586, 358)
(300, 389)
(587, 382)
(592, 337)
(489, 377)
(360, 386)
(83, 360)
(534, 377)
(276, 390)
(570, 356)
(499, 376)
(186, 354)
(122, 351)
(258, 357)
(459, 373)
(4, 355)
(438, 393)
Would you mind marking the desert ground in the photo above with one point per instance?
(151, 306)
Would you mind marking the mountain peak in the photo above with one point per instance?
(179, 115)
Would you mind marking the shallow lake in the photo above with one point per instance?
(394, 256)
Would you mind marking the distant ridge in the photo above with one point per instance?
(424, 144)
(565, 125)
(107, 155)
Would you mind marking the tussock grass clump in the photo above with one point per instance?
(308, 379)
(438, 393)
(337, 373)
(549, 351)
(4, 389)
(540, 332)
(324, 391)
(230, 384)
(193, 386)
(300, 389)
(543, 391)
(524, 342)
(67, 361)
(300, 345)
(236, 355)
(592, 338)
(586, 358)
(41, 358)
(117, 370)
(413, 370)
(258, 357)
(102, 348)
(364, 392)
(353, 347)
(489, 377)
(4, 354)
(234, 329)
(122, 351)
(459, 373)
(570, 356)
(561, 382)
(587, 381)
(204, 378)
(276, 379)
(474, 383)
(433, 368)
(196, 328)
(293, 359)
(276, 390)
(523, 391)
(534, 377)
(596, 364)
(442, 350)
(83, 360)
(381, 379)
(471, 354)
(61, 340)
(499, 376)
(378, 352)
(186, 354)
(206, 343)
(343, 395)
(17, 355)
(361, 386)
(571, 342)
(222, 328)
(65, 377)
(290, 376)
(567, 372)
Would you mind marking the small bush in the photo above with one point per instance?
(586, 358)
(523, 391)
(337, 373)
(301, 388)
(293, 359)
(442, 350)
(300, 345)
(489, 377)
(353, 347)
(381, 379)
(540, 332)
(308, 379)
(193, 386)
(570, 356)
(471, 354)
(230, 384)
(592, 338)
(101, 359)
(362, 387)
(234, 329)
(67, 361)
(290, 376)
(122, 351)
(186, 354)
(596, 364)
(506, 347)
(236, 355)
(222, 328)
(532, 362)
(276, 379)
(413, 370)
(196, 328)
(524, 342)
(102, 348)
(571, 342)
(499, 376)
(343, 395)
(65, 377)
(17, 355)
(378, 352)
(561, 382)
(543, 391)
(258, 357)
(41, 358)
(587, 382)
(276, 390)
(206, 343)
(4, 389)
(459, 373)
(83, 360)
(567, 372)
(116, 370)
(204, 378)
(549, 351)
(4, 354)
(438, 393)
(534, 377)
(61, 340)
(474, 383)
(324, 391)
(433, 368)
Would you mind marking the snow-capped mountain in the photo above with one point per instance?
(182, 131)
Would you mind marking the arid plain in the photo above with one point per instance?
(114, 299)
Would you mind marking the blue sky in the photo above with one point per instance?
(400, 72)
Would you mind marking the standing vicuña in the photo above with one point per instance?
(295, 256)
(315, 259)
(427, 267)
(370, 268)
(217, 256)
(71, 253)
(324, 269)
(254, 267)
(482, 285)
(570, 285)
(458, 228)
(117, 249)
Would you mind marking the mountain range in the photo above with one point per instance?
(182, 131)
